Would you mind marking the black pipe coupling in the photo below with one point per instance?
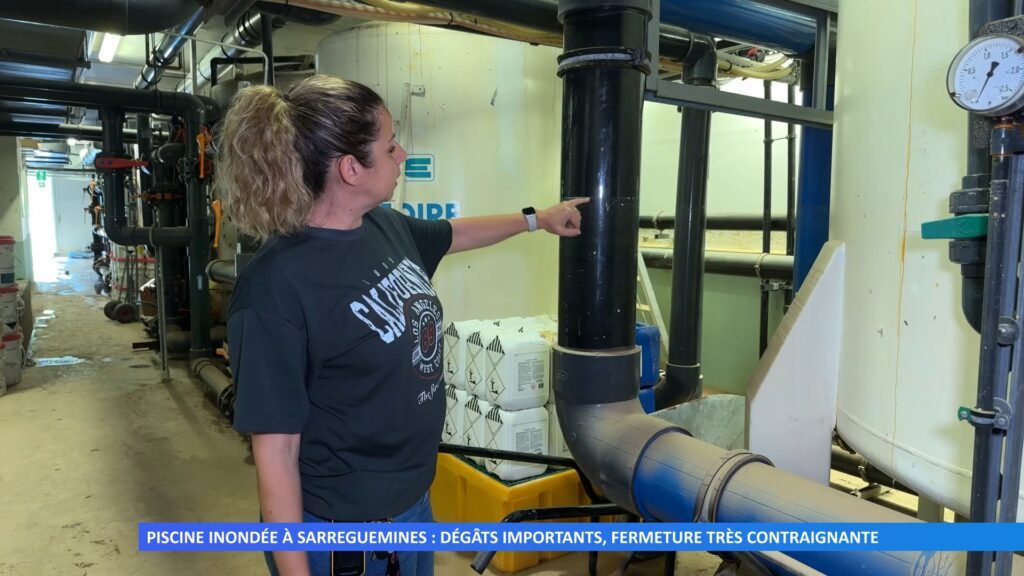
(595, 377)
(604, 57)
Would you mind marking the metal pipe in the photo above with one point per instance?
(161, 315)
(747, 264)
(267, 33)
(216, 384)
(683, 379)
(124, 17)
(221, 271)
(169, 48)
(857, 465)
(715, 222)
(766, 226)
(790, 186)
(95, 96)
(58, 131)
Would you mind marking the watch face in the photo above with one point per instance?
(529, 211)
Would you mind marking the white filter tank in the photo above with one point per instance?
(908, 358)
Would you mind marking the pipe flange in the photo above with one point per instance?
(705, 508)
(604, 57)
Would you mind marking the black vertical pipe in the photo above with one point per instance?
(144, 139)
(683, 379)
(790, 187)
(112, 121)
(601, 161)
(683, 369)
(199, 246)
(1001, 284)
(267, 34)
(987, 442)
(1009, 497)
(766, 228)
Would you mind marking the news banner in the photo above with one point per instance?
(184, 537)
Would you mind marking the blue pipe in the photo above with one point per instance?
(813, 200)
(668, 478)
(744, 21)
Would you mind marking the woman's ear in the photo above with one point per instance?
(349, 170)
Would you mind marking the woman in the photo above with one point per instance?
(334, 328)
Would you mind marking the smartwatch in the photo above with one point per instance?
(531, 218)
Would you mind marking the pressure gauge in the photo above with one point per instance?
(987, 76)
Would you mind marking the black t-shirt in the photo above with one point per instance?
(336, 334)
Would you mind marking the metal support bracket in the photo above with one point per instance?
(999, 418)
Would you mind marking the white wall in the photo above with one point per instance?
(12, 211)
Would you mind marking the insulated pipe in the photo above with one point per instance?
(683, 379)
(124, 17)
(642, 463)
(169, 48)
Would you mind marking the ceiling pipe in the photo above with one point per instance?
(124, 17)
(746, 21)
(41, 130)
(169, 48)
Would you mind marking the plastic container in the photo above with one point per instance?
(648, 338)
(517, 370)
(476, 358)
(12, 358)
(454, 431)
(475, 428)
(463, 493)
(6, 259)
(455, 335)
(9, 307)
(523, 431)
(556, 442)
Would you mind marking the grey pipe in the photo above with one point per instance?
(773, 266)
(169, 48)
(221, 271)
(216, 385)
(123, 17)
(59, 131)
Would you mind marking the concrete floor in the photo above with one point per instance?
(88, 450)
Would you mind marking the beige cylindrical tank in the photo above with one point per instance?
(909, 358)
(488, 111)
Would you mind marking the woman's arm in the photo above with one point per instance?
(562, 219)
(277, 472)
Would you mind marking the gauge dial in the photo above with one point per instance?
(987, 76)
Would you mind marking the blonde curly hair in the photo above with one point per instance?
(275, 149)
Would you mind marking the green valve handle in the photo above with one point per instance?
(963, 227)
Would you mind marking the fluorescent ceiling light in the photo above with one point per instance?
(109, 47)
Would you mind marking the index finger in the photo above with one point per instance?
(577, 201)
